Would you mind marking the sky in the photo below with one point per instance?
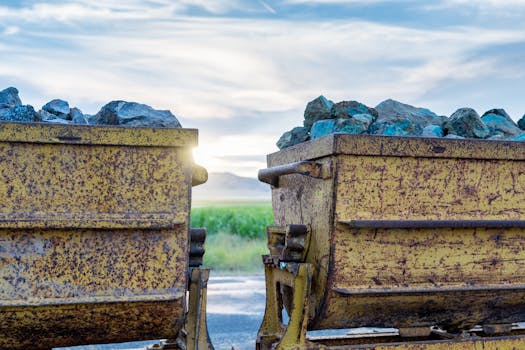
(242, 72)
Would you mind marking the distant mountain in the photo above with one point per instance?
(227, 186)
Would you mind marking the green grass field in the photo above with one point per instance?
(236, 235)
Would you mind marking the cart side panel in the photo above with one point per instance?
(410, 188)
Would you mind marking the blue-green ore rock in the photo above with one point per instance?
(9, 98)
(466, 122)
(433, 130)
(293, 137)
(500, 126)
(20, 114)
(348, 109)
(318, 109)
(358, 124)
(521, 123)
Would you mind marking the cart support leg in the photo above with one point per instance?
(272, 333)
(197, 337)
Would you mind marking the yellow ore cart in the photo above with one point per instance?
(95, 245)
(422, 239)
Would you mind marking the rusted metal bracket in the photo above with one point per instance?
(318, 170)
(273, 334)
(194, 335)
(420, 224)
(197, 239)
(289, 243)
(197, 337)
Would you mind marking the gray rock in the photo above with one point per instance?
(347, 109)
(45, 115)
(318, 109)
(420, 116)
(521, 123)
(358, 124)
(500, 125)
(497, 137)
(500, 112)
(453, 136)
(59, 108)
(134, 114)
(51, 118)
(77, 117)
(58, 120)
(519, 137)
(466, 122)
(9, 97)
(433, 130)
(395, 126)
(293, 137)
(24, 113)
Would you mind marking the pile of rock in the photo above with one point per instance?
(393, 118)
(58, 111)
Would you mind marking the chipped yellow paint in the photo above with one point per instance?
(496, 343)
(454, 260)
(94, 242)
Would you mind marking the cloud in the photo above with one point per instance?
(341, 2)
(486, 3)
(11, 30)
(244, 81)
(86, 10)
(267, 7)
(493, 9)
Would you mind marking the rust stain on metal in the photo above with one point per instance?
(409, 232)
(94, 227)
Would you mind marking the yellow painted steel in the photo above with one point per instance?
(453, 256)
(94, 243)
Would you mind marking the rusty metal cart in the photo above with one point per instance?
(426, 236)
(95, 244)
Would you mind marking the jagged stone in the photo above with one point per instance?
(500, 112)
(134, 114)
(500, 125)
(420, 116)
(9, 97)
(23, 113)
(433, 130)
(347, 109)
(395, 126)
(466, 122)
(521, 123)
(77, 117)
(317, 109)
(57, 107)
(45, 115)
(51, 118)
(453, 136)
(358, 124)
(519, 137)
(293, 137)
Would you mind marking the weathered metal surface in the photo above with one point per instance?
(94, 242)
(197, 337)
(415, 277)
(303, 200)
(97, 135)
(496, 343)
(44, 327)
(312, 169)
(289, 243)
(412, 188)
(273, 334)
(420, 232)
(366, 145)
